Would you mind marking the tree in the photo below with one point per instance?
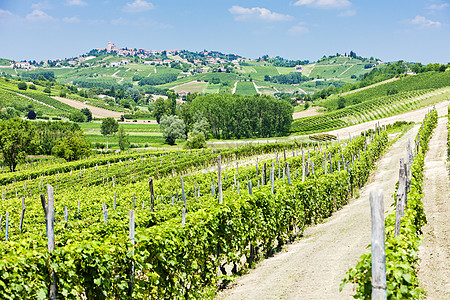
(201, 126)
(63, 93)
(17, 139)
(72, 147)
(123, 138)
(160, 109)
(133, 93)
(22, 86)
(78, 117)
(109, 127)
(31, 115)
(87, 113)
(173, 127)
(195, 141)
(340, 103)
(47, 90)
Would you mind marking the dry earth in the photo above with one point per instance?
(312, 111)
(97, 112)
(434, 252)
(313, 267)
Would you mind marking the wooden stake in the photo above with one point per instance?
(219, 179)
(378, 246)
(401, 197)
(22, 214)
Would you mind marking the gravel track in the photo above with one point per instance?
(434, 252)
(313, 267)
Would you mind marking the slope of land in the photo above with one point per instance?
(97, 112)
(434, 252)
(313, 267)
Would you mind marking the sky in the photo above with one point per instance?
(410, 30)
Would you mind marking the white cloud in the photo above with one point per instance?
(4, 13)
(324, 3)
(424, 22)
(298, 29)
(138, 6)
(39, 15)
(41, 5)
(76, 3)
(242, 13)
(438, 6)
(348, 13)
(71, 20)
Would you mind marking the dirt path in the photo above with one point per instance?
(256, 88)
(434, 252)
(97, 112)
(313, 267)
(233, 90)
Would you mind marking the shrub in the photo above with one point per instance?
(22, 86)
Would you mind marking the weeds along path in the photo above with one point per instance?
(313, 267)
(434, 252)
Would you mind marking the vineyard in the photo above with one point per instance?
(192, 229)
(402, 244)
(369, 110)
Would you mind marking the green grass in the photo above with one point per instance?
(245, 88)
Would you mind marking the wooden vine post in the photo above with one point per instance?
(50, 208)
(219, 179)
(132, 240)
(378, 246)
(401, 197)
(152, 195)
(22, 214)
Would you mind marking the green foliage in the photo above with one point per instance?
(157, 79)
(401, 251)
(174, 128)
(17, 139)
(87, 113)
(354, 114)
(245, 88)
(161, 107)
(291, 78)
(39, 74)
(50, 132)
(123, 138)
(244, 116)
(109, 126)
(78, 117)
(196, 140)
(63, 93)
(22, 85)
(72, 147)
(31, 115)
(47, 90)
(341, 103)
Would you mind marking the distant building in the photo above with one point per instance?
(298, 68)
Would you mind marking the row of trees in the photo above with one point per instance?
(19, 138)
(242, 116)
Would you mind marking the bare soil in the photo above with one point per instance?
(313, 267)
(434, 252)
(97, 112)
(312, 111)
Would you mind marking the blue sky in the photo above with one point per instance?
(411, 30)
